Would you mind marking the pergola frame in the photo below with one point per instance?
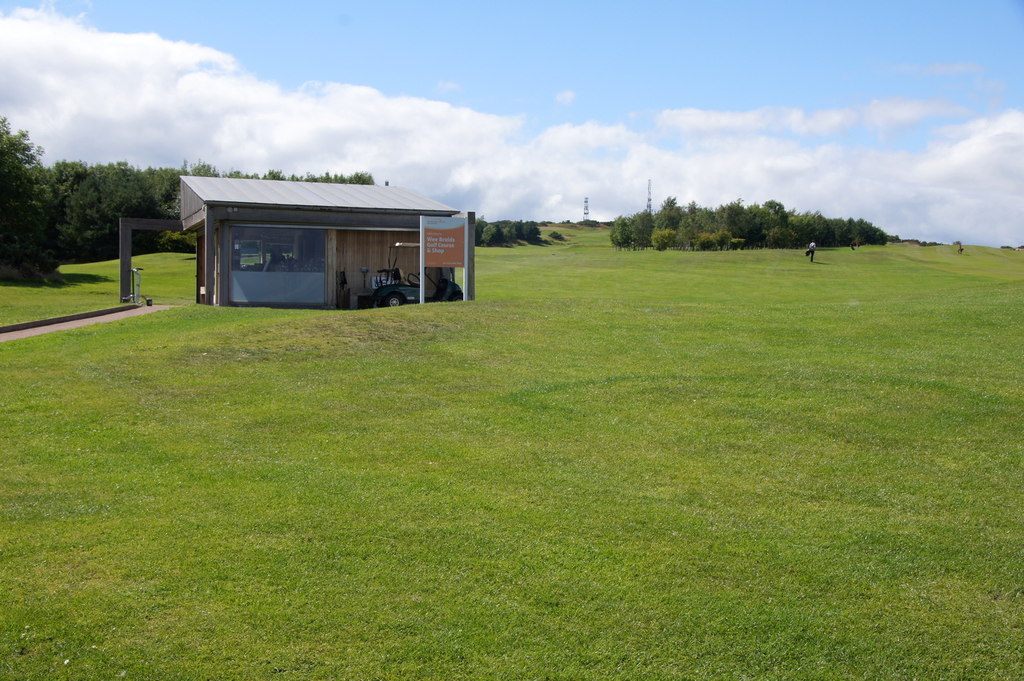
(126, 228)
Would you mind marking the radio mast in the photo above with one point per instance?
(586, 207)
(649, 210)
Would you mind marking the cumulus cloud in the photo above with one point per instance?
(882, 116)
(100, 97)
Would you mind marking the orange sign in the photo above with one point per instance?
(443, 241)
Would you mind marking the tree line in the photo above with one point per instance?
(505, 232)
(69, 211)
(735, 226)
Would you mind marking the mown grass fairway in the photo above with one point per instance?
(611, 466)
(95, 286)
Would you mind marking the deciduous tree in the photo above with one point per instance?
(23, 206)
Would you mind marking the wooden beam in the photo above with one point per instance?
(150, 224)
(194, 220)
(321, 218)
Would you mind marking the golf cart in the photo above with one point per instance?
(392, 287)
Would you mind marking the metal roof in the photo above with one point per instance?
(284, 193)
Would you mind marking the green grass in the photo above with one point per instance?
(96, 286)
(630, 465)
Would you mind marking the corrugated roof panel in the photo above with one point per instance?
(311, 194)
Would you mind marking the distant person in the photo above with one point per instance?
(810, 250)
(960, 249)
(853, 245)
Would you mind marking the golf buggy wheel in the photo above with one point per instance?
(456, 297)
(394, 300)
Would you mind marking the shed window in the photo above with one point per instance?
(273, 265)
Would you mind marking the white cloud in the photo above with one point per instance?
(565, 97)
(448, 86)
(893, 115)
(941, 69)
(983, 155)
(100, 97)
(882, 116)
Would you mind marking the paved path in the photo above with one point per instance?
(60, 326)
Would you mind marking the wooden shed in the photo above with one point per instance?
(302, 244)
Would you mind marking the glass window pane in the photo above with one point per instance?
(277, 265)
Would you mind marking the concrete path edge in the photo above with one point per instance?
(65, 318)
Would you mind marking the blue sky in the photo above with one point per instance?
(620, 59)
(905, 113)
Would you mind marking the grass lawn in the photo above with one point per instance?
(613, 465)
(95, 286)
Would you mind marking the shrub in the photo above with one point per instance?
(177, 242)
(704, 242)
(662, 239)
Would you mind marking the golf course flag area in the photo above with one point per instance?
(611, 465)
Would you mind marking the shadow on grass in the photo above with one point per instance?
(514, 244)
(67, 280)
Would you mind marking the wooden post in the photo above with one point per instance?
(331, 269)
(223, 296)
(201, 267)
(210, 246)
(470, 292)
(125, 253)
